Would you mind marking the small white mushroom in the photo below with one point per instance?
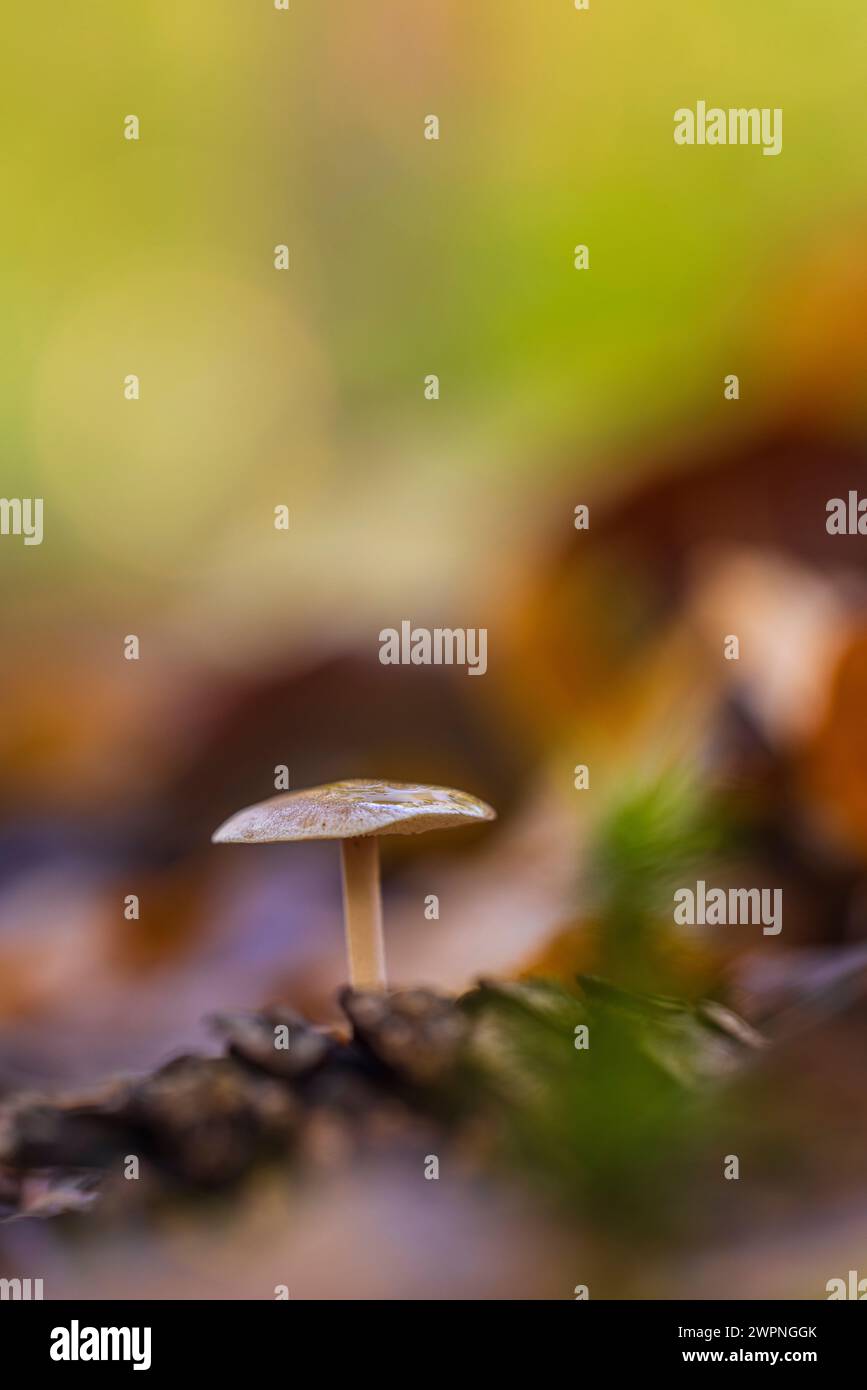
(356, 813)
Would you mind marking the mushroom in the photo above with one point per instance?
(356, 813)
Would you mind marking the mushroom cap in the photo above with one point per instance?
(348, 810)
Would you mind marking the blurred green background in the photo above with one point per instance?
(407, 257)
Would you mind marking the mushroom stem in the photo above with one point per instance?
(362, 912)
